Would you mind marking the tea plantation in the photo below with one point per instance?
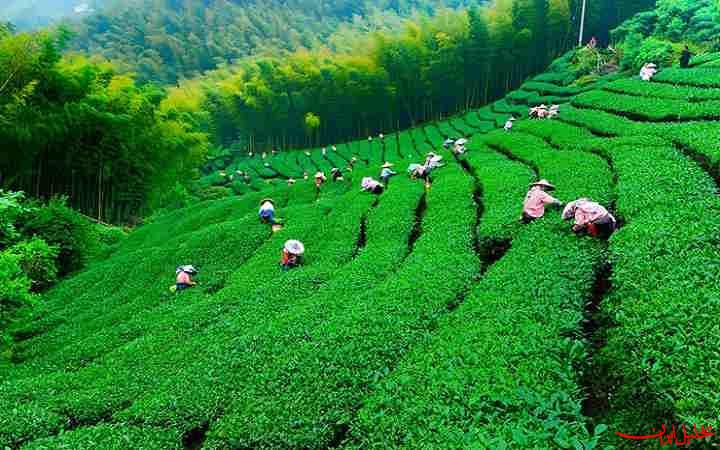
(421, 318)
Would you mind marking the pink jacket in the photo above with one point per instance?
(587, 212)
(183, 278)
(535, 202)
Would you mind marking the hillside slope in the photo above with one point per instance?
(422, 319)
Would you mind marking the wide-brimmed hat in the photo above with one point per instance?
(294, 247)
(543, 183)
(387, 165)
(334, 169)
(461, 141)
(262, 202)
(291, 181)
(187, 269)
(431, 154)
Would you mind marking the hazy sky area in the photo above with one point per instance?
(35, 13)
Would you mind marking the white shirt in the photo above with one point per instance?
(267, 206)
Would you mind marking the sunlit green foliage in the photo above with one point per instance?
(75, 127)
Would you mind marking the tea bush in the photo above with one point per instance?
(38, 261)
(507, 354)
(660, 90)
(498, 372)
(60, 226)
(656, 274)
(398, 331)
(326, 376)
(15, 292)
(699, 77)
(651, 109)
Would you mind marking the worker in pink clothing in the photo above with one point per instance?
(536, 200)
(590, 217)
(183, 278)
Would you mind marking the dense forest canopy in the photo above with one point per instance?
(166, 40)
(75, 127)
(423, 68)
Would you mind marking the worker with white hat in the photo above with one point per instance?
(320, 178)
(536, 200)
(648, 71)
(292, 253)
(459, 147)
(183, 278)
(509, 124)
(267, 211)
(433, 161)
(386, 173)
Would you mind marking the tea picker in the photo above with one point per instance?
(183, 278)
(509, 124)
(433, 161)
(536, 200)
(419, 171)
(336, 174)
(370, 185)
(590, 217)
(267, 211)
(459, 148)
(320, 178)
(267, 214)
(387, 173)
(292, 254)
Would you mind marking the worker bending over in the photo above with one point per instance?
(292, 254)
(320, 178)
(648, 71)
(421, 172)
(509, 124)
(183, 278)
(387, 173)
(336, 174)
(433, 161)
(459, 147)
(267, 211)
(590, 217)
(536, 200)
(370, 185)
